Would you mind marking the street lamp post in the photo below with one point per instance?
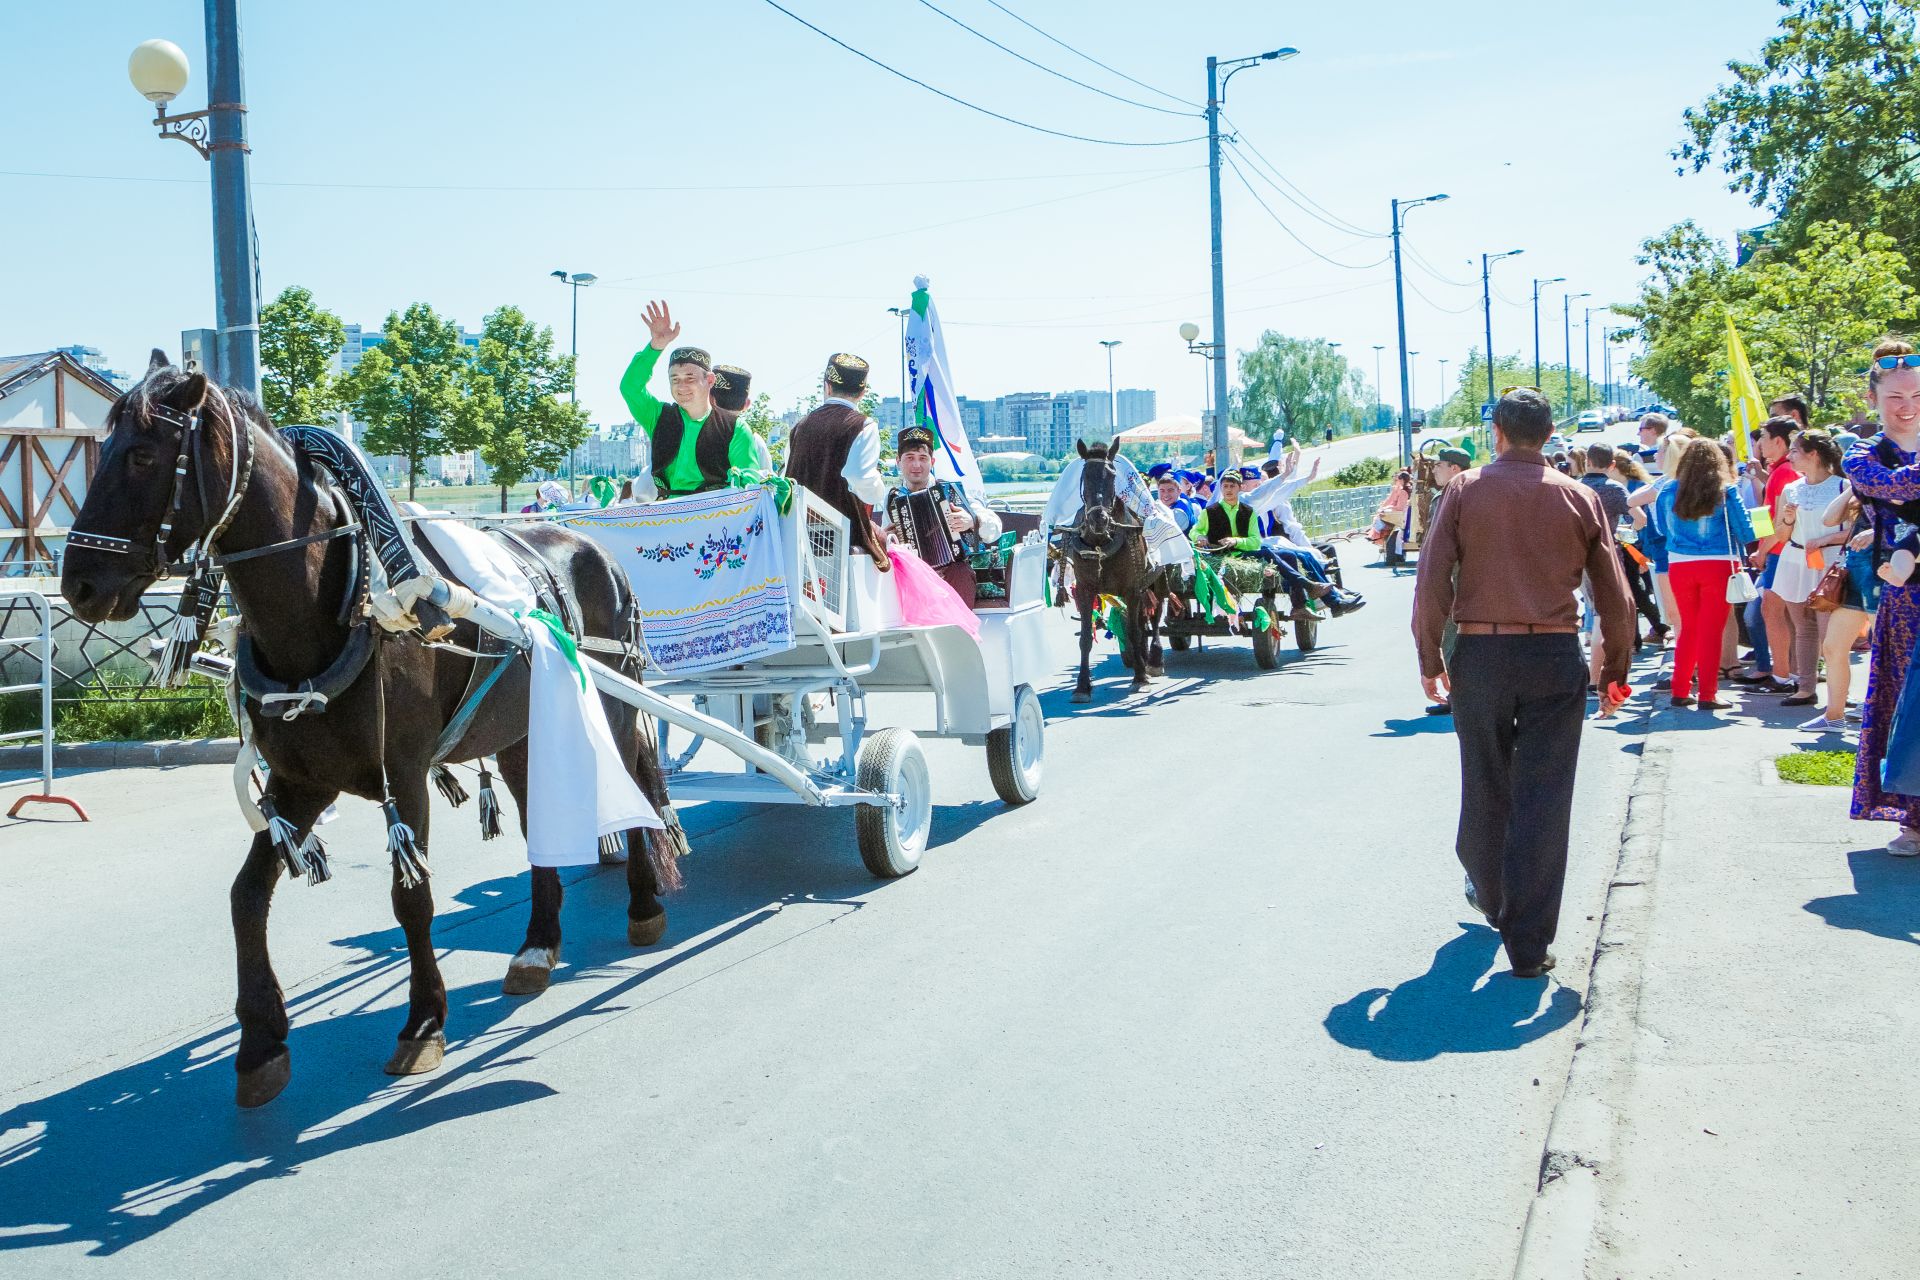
(1216, 98)
(1566, 336)
(577, 281)
(1536, 325)
(1400, 209)
(1586, 349)
(1413, 376)
(901, 314)
(1378, 402)
(1113, 416)
(159, 72)
(1444, 397)
(1190, 334)
(1486, 303)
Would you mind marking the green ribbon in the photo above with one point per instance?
(748, 477)
(560, 638)
(1208, 589)
(603, 490)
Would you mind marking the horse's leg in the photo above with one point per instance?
(423, 1039)
(1156, 659)
(646, 918)
(1137, 639)
(531, 968)
(1083, 687)
(263, 1064)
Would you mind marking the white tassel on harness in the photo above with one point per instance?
(170, 665)
(449, 785)
(306, 857)
(409, 860)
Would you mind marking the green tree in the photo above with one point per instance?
(522, 423)
(763, 422)
(1469, 391)
(414, 391)
(298, 341)
(1300, 386)
(1812, 315)
(1825, 124)
(1681, 319)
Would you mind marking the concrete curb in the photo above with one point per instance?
(1564, 1217)
(124, 755)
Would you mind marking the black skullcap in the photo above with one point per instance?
(691, 355)
(913, 437)
(847, 372)
(730, 386)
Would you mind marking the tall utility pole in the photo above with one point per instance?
(576, 281)
(1113, 413)
(1378, 400)
(1536, 327)
(1586, 347)
(1216, 97)
(1400, 310)
(1566, 336)
(1486, 303)
(906, 413)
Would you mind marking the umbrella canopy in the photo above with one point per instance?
(1177, 429)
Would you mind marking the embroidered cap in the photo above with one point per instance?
(731, 385)
(847, 372)
(913, 437)
(691, 355)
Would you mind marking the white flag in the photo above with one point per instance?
(934, 404)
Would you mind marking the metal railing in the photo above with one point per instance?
(42, 642)
(1326, 512)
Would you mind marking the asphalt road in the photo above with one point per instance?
(1212, 1006)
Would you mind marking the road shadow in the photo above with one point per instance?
(1448, 1009)
(1885, 901)
(1413, 726)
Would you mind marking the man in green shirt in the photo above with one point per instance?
(1231, 527)
(695, 441)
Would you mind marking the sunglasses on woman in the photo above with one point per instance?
(1899, 362)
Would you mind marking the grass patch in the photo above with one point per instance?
(125, 712)
(1816, 768)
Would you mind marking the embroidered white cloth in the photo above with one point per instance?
(707, 572)
(578, 787)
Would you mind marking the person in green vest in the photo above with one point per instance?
(1230, 526)
(695, 442)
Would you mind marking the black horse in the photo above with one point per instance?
(1107, 553)
(177, 447)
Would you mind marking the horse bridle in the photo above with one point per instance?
(157, 564)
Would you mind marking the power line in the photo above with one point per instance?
(1095, 61)
(618, 189)
(1241, 138)
(1333, 224)
(1041, 66)
(1414, 255)
(971, 106)
(888, 235)
(1344, 266)
(1163, 320)
(1445, 311)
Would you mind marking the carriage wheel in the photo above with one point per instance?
(892, 837)
(1016, 754)
(1181, 643)
(1306, 631)
(1266, 650)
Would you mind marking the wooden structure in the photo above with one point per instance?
(53, 413)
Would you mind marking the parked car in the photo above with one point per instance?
(1591, 420)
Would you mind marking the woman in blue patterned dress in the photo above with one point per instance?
(1886, 477)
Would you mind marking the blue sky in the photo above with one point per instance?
(457, 154)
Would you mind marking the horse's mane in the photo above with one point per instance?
(153, 390)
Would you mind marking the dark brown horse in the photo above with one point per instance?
(1107, 553)
(178, 446)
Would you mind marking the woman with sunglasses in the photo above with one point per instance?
(1886, 478)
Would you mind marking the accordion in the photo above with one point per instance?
(919, 519)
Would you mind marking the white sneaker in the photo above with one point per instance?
(1820, 724)
(1904, 845)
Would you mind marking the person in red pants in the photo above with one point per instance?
(1708, 537)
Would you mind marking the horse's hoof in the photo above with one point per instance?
(644, 933)
(416, 1057)
(1156, 672)
(530, 972)
(1079, 696)
(258, 1087)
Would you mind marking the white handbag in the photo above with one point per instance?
(1740, 587)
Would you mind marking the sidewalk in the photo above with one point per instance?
(1760, 1105)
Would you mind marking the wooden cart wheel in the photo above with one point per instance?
(1179, 643)
(892, 837)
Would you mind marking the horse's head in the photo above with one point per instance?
(1098, 492)
(170, 442)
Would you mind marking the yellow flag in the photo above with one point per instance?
(1747, 410)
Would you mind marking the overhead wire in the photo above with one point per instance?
(1342, 227)
(973, 106)
(1041, 66)
(1095, 61)
(1413, 256)
(1240, 137)
(1291, 233)
(1445, 311)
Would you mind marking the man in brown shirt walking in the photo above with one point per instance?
(1504, 559)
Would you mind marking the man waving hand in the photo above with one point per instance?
(694, 440)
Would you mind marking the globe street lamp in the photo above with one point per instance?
(159, 71)
(1190, 334)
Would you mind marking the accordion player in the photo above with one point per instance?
(937, 519)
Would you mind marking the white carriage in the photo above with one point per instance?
(798, 719)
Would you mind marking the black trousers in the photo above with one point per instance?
(1518, 705)
(1640, 582)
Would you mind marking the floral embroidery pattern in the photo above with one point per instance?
(666, 552)
(728, 550)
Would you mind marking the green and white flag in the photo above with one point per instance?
(934, 405)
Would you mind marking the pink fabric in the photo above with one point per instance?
(925, 598)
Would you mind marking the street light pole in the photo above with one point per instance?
(1566, 336)
(1536, 325)
(1413, 376)
(159, 71)
(901, 314)
(1400, 310)
(576, 281)
(1486, 303)
(1216, 98)
(1113, 416)
(1586, 350)
(1378, 402)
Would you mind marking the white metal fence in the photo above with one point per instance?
(1326, 512)
(39, 643)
